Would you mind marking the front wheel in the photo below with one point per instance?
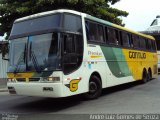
(95, 88)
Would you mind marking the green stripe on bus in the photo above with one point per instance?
(116, 61)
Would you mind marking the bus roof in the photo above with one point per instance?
(81, 14)
(46, 13)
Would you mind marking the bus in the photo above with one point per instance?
(154, 30)
(63, 53)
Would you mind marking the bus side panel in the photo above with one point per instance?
(119, 71)
(139, 60)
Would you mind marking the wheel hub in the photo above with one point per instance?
(92, 87)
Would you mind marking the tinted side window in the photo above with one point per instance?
(149, 44)
(135, 41)
(94, 32)
(153, 45)
(131, 40)
(157, 37)
(112, 36)
(142, 43)
(126, 39)
(100, 33)
(91, 31)
(158, 44)
(69, 45)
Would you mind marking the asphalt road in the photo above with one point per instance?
(128, 99)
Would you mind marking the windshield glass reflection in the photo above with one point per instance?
(35, 53)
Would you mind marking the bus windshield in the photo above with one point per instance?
(34, 53)
(35, 42)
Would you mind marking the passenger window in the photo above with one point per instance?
(153, 45)
(135, 41)
(131, 41)
(142, 43)
(126, 39)
(69, 45)
(157, 41)
(113, 36)
(100, 33)
(94, 32)
(149, 44)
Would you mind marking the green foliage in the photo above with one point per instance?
(13, 9)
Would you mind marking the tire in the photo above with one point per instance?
(149, 74)
(144, 77)
(95, 88)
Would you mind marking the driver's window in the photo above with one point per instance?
(69, 44)
(69, 53)
(72, 52)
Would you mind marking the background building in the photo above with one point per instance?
(154, 30)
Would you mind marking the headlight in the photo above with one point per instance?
(11, 80)
(50, 79)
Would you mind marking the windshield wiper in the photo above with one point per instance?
(35, 62)
(34, 59)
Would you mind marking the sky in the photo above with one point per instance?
(141, 13)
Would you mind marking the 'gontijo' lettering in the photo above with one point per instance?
(137, 55)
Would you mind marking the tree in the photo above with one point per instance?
(13, 9)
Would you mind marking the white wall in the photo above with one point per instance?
(3, 67)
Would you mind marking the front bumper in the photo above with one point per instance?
(36, 89)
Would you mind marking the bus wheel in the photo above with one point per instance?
(95, 88)
(144, 77)
(149, 74)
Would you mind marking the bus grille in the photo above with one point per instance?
(21, 79)
(25, 79)
(34, 79)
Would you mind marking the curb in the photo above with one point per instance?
(3, 90)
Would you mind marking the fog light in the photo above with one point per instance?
(12, 90)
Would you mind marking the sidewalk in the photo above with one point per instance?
(3, 85)
(4, 89)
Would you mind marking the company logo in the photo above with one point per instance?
(17, 75)
(73, 85)
(137, 55)
(95, 54)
